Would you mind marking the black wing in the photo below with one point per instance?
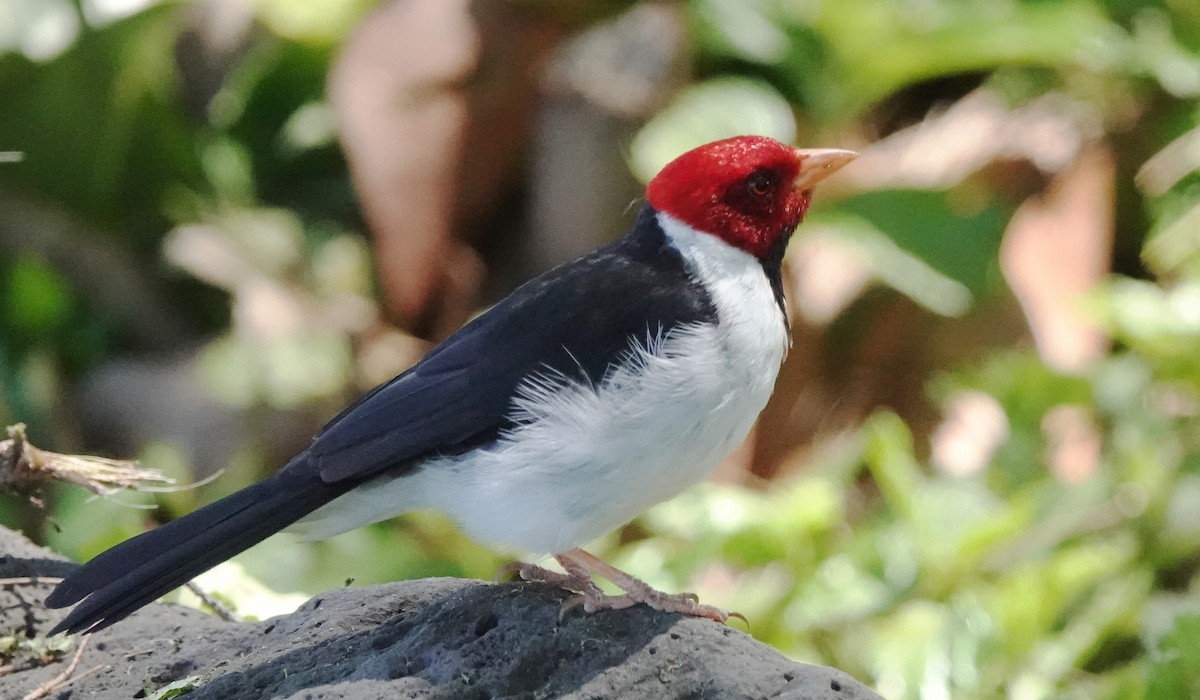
(572, 320)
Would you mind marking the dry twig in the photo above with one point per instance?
(24, 467)
(31, 581)
(61, 679)
(219, 609)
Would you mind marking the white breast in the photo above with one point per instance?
(587, 459)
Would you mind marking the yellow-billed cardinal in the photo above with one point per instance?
(592, 392)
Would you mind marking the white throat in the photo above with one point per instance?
(738, 285)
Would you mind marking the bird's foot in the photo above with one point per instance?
(635, 591)
(682, 603)
(580, 566)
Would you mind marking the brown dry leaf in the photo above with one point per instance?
(434, 102)
(1057, 247)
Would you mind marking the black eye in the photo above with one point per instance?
(760, 184)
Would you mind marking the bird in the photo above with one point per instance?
(590, 393)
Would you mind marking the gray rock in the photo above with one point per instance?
(435, 638)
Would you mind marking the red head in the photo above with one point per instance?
(749, 191)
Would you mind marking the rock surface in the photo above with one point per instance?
(435, 638)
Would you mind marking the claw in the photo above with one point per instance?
(677, 605)
(570, 604)
(513, 567)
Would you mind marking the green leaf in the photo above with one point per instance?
(1176, 669)
(180, 687)
(960, 245)
(745, 29)
(881, 47)
(1174, 246)
(36, 298)
(709, 111)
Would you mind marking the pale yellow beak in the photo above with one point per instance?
(816, 164)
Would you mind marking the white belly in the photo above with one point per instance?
(589, 461)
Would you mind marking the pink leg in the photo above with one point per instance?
(636, 591)
(576, 579)
(581, 566)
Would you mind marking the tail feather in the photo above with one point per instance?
(123, 579)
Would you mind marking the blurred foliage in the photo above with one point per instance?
(1016, 580)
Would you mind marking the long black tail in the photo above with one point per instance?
(123, 579)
